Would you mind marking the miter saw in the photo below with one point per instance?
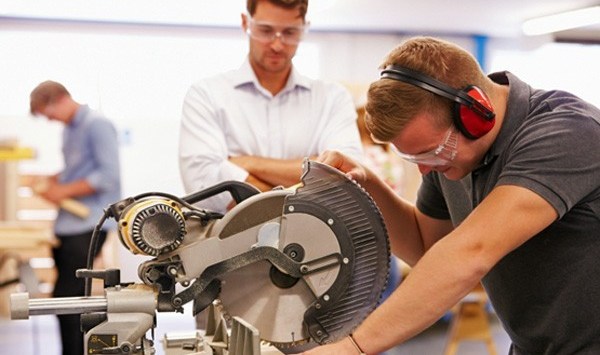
(303, 265)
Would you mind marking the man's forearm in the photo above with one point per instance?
(77, 188)
(284, 172)
(55, 192)
(420, 301)
(259, 184)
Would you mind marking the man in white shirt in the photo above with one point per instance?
(257, 123)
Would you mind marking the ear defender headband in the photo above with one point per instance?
(473, 114)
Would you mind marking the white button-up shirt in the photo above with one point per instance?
(231, 114)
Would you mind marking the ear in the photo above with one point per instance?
(244, 22)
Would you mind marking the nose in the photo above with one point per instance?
(277, 43)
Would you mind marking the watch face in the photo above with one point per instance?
(99, 342)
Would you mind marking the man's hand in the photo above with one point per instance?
(50, 190)
(343, 346)
(59, 194)
(345, 164)
(259, 184)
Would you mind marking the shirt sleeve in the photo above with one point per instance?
(105, 149)
(342, 131)
(558, 149)
(203, 151)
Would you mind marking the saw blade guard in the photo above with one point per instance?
(333, 228)
(353, 216)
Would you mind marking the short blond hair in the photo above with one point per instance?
(391, 104)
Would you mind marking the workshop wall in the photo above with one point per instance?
(138, 76)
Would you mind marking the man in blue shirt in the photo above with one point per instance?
(91, 176)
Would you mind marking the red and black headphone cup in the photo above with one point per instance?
(473, 113)
(470, 123)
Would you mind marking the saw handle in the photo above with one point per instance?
(238, 190)
(71, 205)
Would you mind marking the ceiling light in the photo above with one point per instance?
(562, 21)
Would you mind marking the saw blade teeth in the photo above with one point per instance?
(288, 345)
(284, 347)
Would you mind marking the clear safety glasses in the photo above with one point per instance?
(266, 32)
(443, 155)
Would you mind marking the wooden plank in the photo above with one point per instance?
(24, 236)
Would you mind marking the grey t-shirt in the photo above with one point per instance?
(547, 291)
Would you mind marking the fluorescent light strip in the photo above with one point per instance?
(562, 21)
(181, 12)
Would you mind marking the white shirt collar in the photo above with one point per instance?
(245, 75)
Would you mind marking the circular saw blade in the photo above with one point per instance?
(328, 215)
(277, 309)
(277, 313)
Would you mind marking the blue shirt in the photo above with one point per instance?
(91, 152)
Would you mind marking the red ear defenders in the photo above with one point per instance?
(473, 114)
